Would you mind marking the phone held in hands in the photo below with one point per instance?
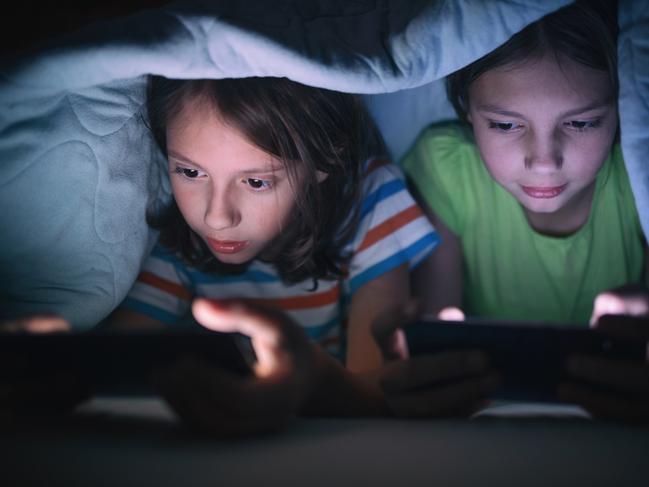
(530, 356)
(119, 363)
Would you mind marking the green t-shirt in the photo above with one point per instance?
(510, 270)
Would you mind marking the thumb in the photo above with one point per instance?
(388, 333)
(267, 330)
(616, 303)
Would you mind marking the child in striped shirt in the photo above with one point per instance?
(274, 206)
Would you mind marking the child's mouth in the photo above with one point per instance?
(544, 192)
(226, 246)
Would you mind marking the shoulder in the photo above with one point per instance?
(383, 183)
(392, 230)
(446, 143)
(444, 158)
(378, 171)
(446, 171)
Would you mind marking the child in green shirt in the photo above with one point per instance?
(532, 199)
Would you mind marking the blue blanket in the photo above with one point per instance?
(79, 169)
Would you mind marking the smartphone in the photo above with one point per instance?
(119, 363)
(530, 356)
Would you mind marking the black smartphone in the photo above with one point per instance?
(119, 363)
(530, 356)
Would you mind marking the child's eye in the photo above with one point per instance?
(581, 125)
(258, 184)
(503, 126)
(188, 172)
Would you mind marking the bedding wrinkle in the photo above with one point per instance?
(25, 143)
(106, 109)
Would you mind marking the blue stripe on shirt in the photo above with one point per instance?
(319, 331)
(198, 277)
(382, 192)
(248, 276)
(427, 242)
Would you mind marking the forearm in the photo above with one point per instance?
(339, 392)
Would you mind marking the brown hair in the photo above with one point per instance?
(585, 32)
(318, 129)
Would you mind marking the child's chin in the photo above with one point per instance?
(240, 258)
(542, 205)
(232, 259)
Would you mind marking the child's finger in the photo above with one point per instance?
(628, 327)
(237, 396)
(274, 340)
(451, 313)
(235, 316)
(192, 405)
(193, 375)
(452, 399)
(425, 370)
(612, 303)
(36, 324)
(212, 401)
(602, 405)
(620, 375)
(386, 330)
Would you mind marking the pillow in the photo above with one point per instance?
(79, 169)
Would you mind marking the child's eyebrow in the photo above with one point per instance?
(575, 111)
(262, 170)
(587, 108)
(256, 170)
(175, 155)
(498, 110)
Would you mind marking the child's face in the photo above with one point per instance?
(231, 193)
(544, 129)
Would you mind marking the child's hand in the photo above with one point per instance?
(215, 401)
(442, 384)
(628, 399)
(49, 393)
(632, 300)
(451, 313)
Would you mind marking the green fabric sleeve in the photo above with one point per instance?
(437, 167)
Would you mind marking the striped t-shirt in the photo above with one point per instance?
(392, 231)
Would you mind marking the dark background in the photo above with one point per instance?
(27, 23)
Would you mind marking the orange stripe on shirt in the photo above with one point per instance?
(390, 225)
(315, 300)
(166, 286)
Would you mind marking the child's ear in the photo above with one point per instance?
(321, 176)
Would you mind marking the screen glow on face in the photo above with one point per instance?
(544, 128)
(237, 197)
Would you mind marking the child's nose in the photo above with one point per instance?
(544, 153)
(222, 211)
